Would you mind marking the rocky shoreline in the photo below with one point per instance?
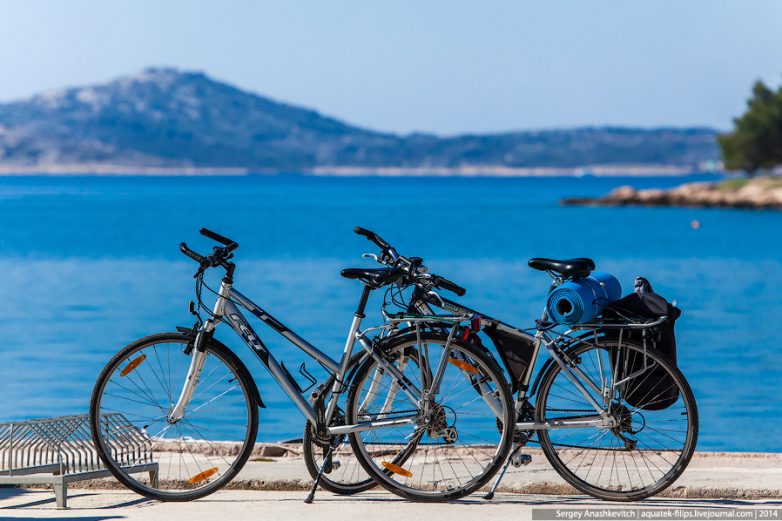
(759, 193)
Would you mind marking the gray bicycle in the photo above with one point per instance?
(194, 405)
(612, 413)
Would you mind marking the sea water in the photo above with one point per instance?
(89, 264)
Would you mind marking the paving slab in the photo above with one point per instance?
(239, 505)
(709, 475)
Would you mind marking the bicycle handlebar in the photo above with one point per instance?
(413, 268)
(190, 253)
(231, 245)
(442, 282)
(372, 236)
(219, 257)
(390, 257)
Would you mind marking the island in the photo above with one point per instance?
(764, 192)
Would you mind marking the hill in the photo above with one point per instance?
(167, 119)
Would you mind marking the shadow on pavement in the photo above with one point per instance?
(71, 518)
(522, 499)
(47, 498)
(13, 492)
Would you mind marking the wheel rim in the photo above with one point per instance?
(646, 450)
(457, 450)
(195, 454)
(346, 473)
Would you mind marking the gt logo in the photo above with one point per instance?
(247, 333)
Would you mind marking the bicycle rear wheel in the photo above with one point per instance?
(182, 460)
(463, 430)
(346, 475)
(656, 426)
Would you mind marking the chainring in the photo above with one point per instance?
(324, 442)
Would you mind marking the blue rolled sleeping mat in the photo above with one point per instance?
(579, 301)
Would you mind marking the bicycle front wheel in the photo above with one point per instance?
(655, 420)
(173, 460)
(462, 430)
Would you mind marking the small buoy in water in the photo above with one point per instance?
(695, 224)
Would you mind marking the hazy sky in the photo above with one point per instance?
(445, 67)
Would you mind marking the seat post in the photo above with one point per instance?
(362, 303)
(339, 384)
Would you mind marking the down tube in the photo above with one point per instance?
(243, 329)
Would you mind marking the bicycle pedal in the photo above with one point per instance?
(519, 460)
(334, 465)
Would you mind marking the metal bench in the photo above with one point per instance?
(59, 451)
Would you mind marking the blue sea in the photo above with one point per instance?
(89, 264)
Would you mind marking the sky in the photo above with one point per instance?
(445, 67)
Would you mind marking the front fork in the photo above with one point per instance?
(197, 360)
(198, 356)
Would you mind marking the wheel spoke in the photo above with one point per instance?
(644, 452)
(459, 441)
(194, 455)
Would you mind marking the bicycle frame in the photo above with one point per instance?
(423, 304)
(226, 308)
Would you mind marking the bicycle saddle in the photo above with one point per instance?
(374, 277)
(578, 267)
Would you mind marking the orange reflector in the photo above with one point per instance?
(396, 469)
(132, 365)
(464, 366)
(201, 476)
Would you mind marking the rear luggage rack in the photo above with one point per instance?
(616, 324)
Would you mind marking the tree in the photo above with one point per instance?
(756, 140)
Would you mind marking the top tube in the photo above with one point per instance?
(262, 315)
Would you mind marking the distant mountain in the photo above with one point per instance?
(165, 118)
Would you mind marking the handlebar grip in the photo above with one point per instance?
(449, 286)
(190, 253)
(232, 245)
(372, 236)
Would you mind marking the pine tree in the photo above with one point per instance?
(756, 141)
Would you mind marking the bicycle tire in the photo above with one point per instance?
(249, 391)
(581, 484)
(487, 363)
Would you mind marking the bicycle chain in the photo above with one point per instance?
(565, 445)
(392, 412)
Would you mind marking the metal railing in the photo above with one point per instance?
(58, 451)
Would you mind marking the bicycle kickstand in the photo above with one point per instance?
(490, 495)
(326, 463)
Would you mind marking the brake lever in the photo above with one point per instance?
(371, 256)
(392, 254)
(431, 293)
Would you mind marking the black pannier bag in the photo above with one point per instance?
(516, 353)
(654, 389)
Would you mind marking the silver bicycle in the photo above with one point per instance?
(194, 404)
(613, 415)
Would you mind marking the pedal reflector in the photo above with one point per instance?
(201, 476)
(133, 364)
(464, 366)
(396, 469)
